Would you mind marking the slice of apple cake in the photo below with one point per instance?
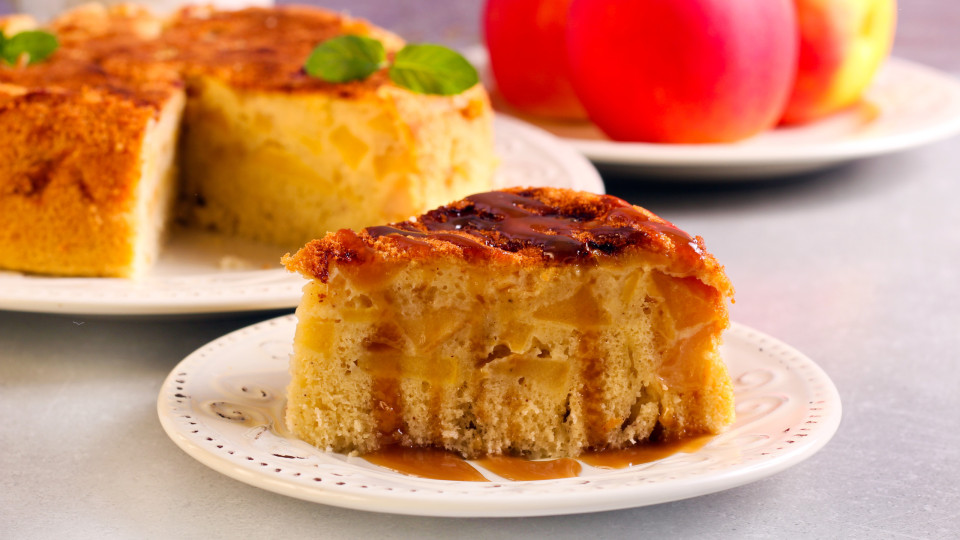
(537, 322)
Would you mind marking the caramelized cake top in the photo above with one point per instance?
(91, 39)
(126, 50)
(265, 48)
(64, 75)
(530, 226)
(123, 62)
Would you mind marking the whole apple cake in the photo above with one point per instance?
(536, 322)
(209, 115)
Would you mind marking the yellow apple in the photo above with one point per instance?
(842, 44)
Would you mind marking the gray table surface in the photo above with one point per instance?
(855, 266)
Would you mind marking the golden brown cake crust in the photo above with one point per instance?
(124, 62)
(265, 48)
(126, 49)
(529, 226)
(63, 74)
(90, 36)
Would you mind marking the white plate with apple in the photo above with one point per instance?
(706, 72)
(907, 105)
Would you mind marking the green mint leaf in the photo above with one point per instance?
(432, 69)
(346, 58)
(36, 44)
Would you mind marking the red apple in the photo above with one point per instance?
(842, 44)
(682, 71)
(526, 40)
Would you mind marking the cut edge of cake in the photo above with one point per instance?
(89, 182)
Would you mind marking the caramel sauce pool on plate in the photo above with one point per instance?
(441, 464)
(425, 462)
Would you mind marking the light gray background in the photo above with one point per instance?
(856, 266)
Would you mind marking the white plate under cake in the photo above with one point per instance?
(787, 409)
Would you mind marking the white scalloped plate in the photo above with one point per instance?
(205, 273)
(787, 409)
(907, 105)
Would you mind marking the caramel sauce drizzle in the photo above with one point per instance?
(410, 239)
(388, 409)
(436, 406)
(385, 393)
(512, 222)
(591, 390)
